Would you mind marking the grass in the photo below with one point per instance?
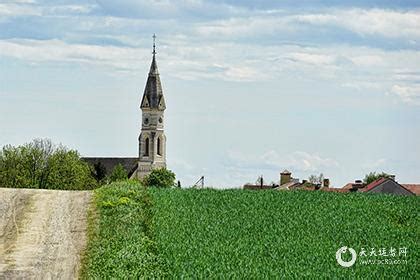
(121, 243)
(173, 233)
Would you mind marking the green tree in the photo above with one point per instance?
(372, 176)
(161, 178)
(12, 173)
(40, 164)
(35, 157)
(118, 173)
(68, 171)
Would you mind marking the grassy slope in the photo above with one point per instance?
(252, 234)
(121, 242)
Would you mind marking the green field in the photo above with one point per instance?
(248, 234)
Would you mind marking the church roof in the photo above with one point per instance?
(109, 163)
(153, 93)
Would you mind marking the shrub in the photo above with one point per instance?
(161, 178)
(118, 173)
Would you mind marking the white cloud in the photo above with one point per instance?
(367, 60)
(35, 51)
(407, 75)
(387, 23)
(168, 9)
(243, 27)
(354, 67)
(362, 85)
(364, 22)
(209, 49)
(32, 8)
(16, 9)
(311, 58)
(408, 94)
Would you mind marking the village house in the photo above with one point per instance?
(383, 185)
(287, 182)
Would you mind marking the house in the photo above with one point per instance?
(386, 185)
(414, 188)
(382, 185)
(287, 182)
(258, 187)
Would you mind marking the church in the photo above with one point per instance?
(152, 139)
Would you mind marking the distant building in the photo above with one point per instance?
(152, 139)
(386, 185)
(382, 185)
(259, 185)
(287, 182)
(414, 188)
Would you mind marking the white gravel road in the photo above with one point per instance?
(42, 233)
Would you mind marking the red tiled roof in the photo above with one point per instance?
(339, 190)
(414, 188)
(374, 184)
(308, 188)
(347, 186)
(257, 187)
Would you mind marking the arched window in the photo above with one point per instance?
(159, 150)
(146, 147)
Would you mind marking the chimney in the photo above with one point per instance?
(285, 177)
(326, 183)
(356, 185)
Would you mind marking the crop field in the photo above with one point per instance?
(250, 234)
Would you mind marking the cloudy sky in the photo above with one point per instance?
(252, 87)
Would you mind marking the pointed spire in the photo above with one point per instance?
(153, 94)
(153, 66)
(154, 44)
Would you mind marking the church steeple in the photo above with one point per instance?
(153, 93)
(152, 139)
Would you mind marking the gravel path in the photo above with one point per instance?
(42, 233)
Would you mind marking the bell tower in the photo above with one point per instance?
(152, 139)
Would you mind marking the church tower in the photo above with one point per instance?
(152, 139)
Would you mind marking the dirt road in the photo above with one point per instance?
(42, 233)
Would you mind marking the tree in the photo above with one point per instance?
(12, 172)
(372, 176)
(35, 157)
(316, 179)
(40, 164)
(161, 178)
(118, 173)
(68, 171)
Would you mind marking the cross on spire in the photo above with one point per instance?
(154, 43)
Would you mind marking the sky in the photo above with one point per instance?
(251, 87)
